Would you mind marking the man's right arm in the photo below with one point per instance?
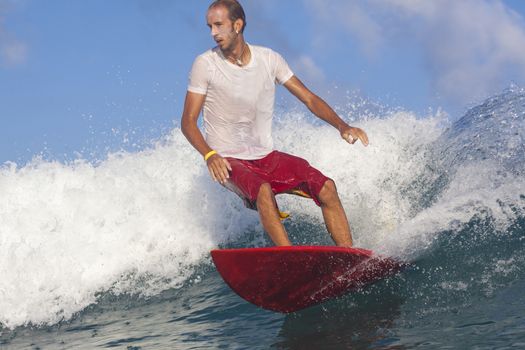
(217, 165)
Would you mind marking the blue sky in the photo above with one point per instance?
(85, 77)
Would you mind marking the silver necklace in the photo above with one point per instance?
(238, 61)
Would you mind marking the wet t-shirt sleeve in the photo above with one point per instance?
(199, 76)
(280, 68)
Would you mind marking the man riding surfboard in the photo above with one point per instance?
(233, 85)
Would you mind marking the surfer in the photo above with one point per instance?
(233, 85)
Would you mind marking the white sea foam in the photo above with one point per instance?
(68, 232)
(370, 180)
(475, 190)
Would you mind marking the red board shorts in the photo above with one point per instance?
(285, 174)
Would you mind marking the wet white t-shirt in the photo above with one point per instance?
(238, 108)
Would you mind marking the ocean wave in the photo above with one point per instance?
(141, 223)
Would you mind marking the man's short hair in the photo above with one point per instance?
(234, 9)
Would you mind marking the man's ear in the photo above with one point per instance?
(237, 25)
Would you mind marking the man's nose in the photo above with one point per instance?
(214, 31)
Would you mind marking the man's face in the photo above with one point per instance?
(221, 27)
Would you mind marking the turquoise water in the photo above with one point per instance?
(116, 255)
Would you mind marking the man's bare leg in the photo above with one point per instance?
(334, 215)
(269, 214)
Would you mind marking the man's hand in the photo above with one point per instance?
(351, 135)
(218, 168)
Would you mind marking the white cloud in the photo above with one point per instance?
(305, 67)
(471, 48)
(12, 50)
(352, 17)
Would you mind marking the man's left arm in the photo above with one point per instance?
(323, 111)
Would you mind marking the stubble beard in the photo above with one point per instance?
(233, 37)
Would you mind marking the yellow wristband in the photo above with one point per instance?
(209, 154)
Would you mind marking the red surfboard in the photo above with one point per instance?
(287, 279)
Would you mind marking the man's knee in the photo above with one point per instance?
(328, 192)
